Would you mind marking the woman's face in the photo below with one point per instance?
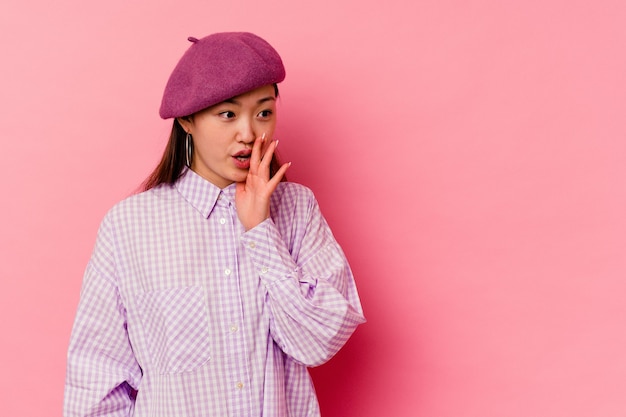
(223, 134)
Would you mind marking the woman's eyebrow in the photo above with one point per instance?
(268, 98)
(260, 101)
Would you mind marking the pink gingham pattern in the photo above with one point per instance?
(185, 314)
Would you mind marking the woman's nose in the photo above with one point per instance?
(245, 133)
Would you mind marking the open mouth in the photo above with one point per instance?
(242, 159)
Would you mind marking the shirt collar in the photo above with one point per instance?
(202, 194)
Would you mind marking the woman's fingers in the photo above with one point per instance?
(262, 156)
(253, 195)
(255, 158)
(279, 174)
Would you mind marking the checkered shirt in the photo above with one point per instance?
(183, 313)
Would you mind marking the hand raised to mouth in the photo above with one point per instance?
(252, 197)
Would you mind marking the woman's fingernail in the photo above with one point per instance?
(263, 137)
(276, 145)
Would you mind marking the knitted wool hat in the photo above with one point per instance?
(218, 67)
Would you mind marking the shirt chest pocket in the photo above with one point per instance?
(176, 328)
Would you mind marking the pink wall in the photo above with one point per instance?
(470, 157)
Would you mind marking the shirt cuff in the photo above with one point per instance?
(269, 253)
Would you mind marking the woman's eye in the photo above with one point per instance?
(227, 114)
(265, 113)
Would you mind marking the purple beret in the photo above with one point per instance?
(218, 67)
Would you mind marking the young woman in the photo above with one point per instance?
(211, 292)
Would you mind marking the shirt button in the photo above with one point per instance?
(233, 328)
(227, 271)
(252, 245)
(239, 385)
(222, 221)
(264, 270)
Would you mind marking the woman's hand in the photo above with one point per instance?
(252, 197)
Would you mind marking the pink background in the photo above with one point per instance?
(469, 155)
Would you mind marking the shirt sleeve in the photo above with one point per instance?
(312, 296)
(102, 373)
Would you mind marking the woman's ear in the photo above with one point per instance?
(185, 122)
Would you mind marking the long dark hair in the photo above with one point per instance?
(169, 170)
